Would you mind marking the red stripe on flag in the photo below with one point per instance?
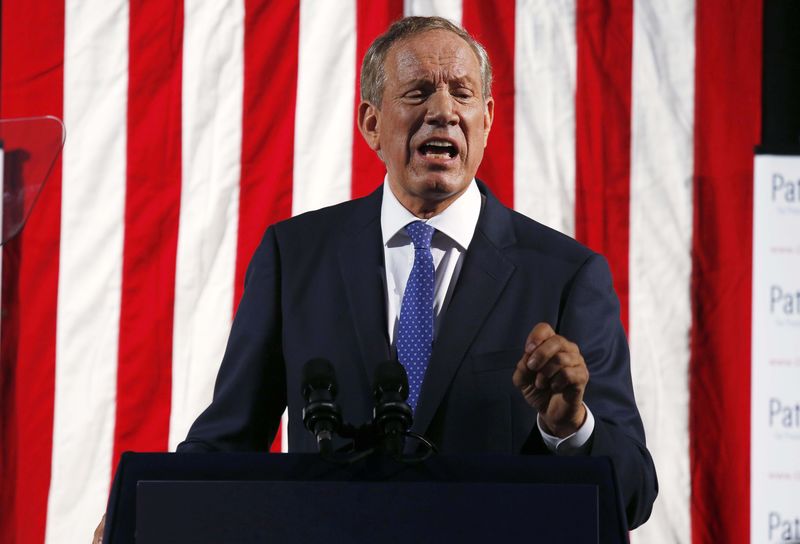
(32, 83)
(372, 19)
(727, 121)
(270, 78)
(603, 134)
(152, 209)
(493, 24)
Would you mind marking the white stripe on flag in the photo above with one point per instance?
(449, 9)
(660, 249)
(213, 83)
(545, 63)
(90, 265)
(323, 130)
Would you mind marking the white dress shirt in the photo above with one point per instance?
(455, 227)
(454, 230)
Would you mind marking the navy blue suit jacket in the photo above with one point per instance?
(316, 288)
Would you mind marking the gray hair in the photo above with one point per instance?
(373, 75)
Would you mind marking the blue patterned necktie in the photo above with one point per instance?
(415, 333)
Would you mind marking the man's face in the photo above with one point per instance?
(433, 123)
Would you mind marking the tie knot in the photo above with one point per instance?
(421, 234)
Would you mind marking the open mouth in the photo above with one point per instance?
(438, 149)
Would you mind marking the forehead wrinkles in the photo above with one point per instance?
(435, 61)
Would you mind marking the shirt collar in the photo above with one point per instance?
(458, 221)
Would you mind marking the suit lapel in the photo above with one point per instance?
(484, 275)
(361, 264)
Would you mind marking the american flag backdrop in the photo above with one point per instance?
(194, 124)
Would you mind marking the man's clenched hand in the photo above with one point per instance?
(552, 377)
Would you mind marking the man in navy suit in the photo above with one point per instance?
(526, 352)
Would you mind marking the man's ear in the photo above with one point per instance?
(369, 124)
(488, 117)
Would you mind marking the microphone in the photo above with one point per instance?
(321, 415)
(392, 413)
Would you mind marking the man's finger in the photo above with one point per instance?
(560, 360)
(549, 349)
(562, 365)
(569, 377)
(522, 375)
(539, 333)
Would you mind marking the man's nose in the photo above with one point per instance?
(441, 110)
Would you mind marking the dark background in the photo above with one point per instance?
(780, 102)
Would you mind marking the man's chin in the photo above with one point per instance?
(441, 186)
(429, 191)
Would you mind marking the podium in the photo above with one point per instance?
(247, 497)
(29, 148)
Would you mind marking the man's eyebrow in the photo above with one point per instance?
(463, 81)
(416, 82)
(422, 81)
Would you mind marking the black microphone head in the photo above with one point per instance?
(390, 376)
(318, 374)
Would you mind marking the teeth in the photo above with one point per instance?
(439, 149)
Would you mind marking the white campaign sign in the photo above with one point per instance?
(775, 402)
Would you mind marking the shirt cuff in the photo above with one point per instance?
(575, 444)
